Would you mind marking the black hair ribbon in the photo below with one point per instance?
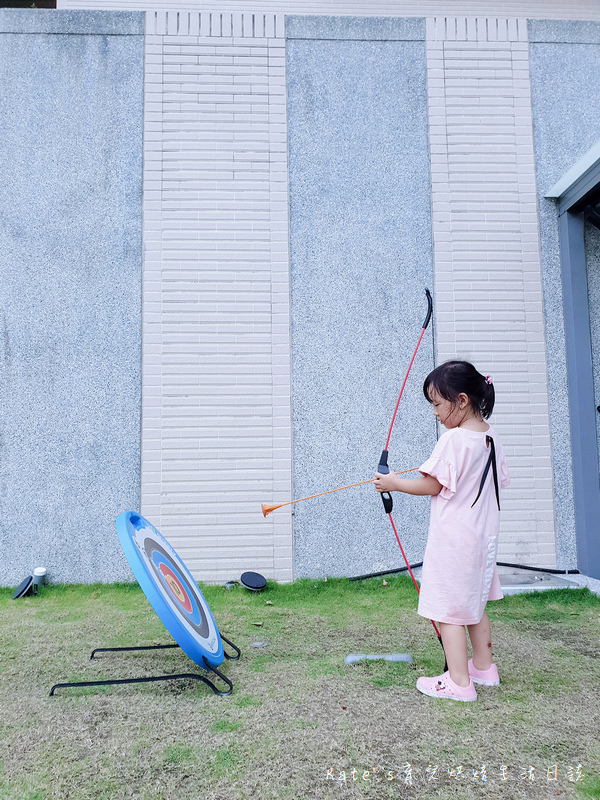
(490, 462)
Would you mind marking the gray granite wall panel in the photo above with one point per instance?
(361, 257)
(566, 116)
(71, 109)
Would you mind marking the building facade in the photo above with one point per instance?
(308, 170)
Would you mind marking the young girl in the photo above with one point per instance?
(459, 566)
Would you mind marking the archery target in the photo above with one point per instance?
(170, 589)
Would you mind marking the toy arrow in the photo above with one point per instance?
(267, 507)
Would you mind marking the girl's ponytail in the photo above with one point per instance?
(488, 398)
(460, 377)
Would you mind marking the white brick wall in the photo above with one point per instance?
(216, 431)
(488, 283)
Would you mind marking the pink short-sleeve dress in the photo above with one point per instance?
(459, 571)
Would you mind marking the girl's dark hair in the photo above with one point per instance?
(455, 377)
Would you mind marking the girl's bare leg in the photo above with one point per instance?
(481, 641)
(454, 640)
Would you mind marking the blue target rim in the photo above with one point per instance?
(170, 588)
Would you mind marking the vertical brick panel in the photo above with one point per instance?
(280, 293)
(151, 280)
(488, 280)
(216, 422)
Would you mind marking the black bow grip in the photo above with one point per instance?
(383, 469)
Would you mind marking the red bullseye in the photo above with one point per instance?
(176, 588)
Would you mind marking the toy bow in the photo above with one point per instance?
(383, 468)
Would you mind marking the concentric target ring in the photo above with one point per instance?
(170, 589)
(182, 595)
(175, 587)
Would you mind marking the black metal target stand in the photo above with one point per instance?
(181, 676)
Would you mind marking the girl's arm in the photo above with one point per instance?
(426, 485)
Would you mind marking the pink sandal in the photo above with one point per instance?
(444, 687)
(486, 677)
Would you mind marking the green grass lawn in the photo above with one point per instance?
(299, 723)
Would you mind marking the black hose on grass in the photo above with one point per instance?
(498, 563)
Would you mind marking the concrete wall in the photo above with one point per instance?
(360, 242)
(70, 236)
(566, 124)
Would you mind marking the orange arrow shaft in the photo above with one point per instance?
(266, 509)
